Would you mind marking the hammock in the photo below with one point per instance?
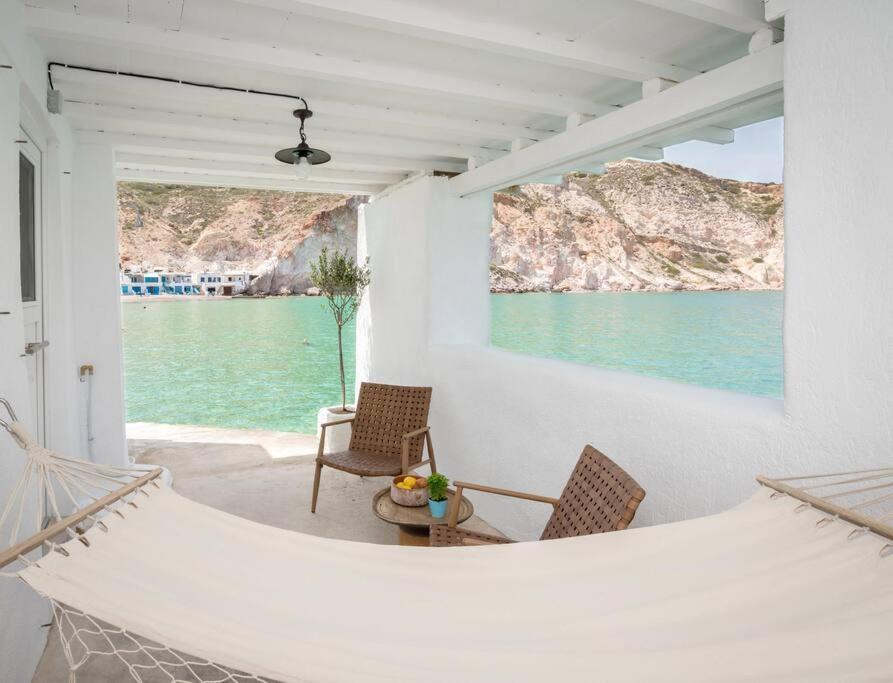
(772, 589)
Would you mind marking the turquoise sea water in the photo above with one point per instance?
(271, 363)
(727, 340)
(251, 363)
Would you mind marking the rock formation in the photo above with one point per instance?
(640, 226)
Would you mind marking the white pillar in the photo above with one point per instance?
(428, 252)
(96, 295)
(21, 637)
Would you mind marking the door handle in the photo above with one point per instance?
(33, 347)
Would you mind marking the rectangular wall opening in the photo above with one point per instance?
(673, 269)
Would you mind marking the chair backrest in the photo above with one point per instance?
(599, 496)
(385, 412)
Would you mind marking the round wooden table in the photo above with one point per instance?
(414, 523)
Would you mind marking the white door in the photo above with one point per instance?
(31, 247)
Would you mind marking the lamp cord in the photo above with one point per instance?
(165, 79)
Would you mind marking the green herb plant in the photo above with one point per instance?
(437, 486)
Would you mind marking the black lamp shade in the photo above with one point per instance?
(314, 156)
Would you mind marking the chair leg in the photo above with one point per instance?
(430, 451)
(315, 486)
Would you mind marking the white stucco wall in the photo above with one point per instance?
(69, 251)
(21, 638)
(429, 254)
(520, 422)
(97, 307)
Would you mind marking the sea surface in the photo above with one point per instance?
(271, 363)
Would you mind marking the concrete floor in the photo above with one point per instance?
(263, 476)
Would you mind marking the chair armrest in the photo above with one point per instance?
(453, 514)
(336, 422)
(322, 432)
(505, 492)
(417, 432)
(404, 462)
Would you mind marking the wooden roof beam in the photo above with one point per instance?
(73, 82)
(454, 28)
(250, 182)
(226, 150)
(188, 124)
(748, 82)
(744, 16)
(293, 61)
(274, 169)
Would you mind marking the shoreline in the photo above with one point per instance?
(276, 444)
(134, 299)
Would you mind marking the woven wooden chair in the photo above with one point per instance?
(599, 496)
(388, 433)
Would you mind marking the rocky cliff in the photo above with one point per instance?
(640, 226)
(272, 234)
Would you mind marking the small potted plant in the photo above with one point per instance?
(437, 498)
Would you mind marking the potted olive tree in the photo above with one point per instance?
(437, 498)
(342, 282)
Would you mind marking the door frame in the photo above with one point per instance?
(32, 150)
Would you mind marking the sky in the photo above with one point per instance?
(756, 155)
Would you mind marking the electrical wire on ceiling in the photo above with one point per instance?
(302, 156)
(166, 79)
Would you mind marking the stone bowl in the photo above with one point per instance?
(413, 499)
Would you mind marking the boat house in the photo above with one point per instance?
(429, 108)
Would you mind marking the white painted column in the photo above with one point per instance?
(62, 387)
(428, 252)
(21, 637)
(838, 241)
(96, 295)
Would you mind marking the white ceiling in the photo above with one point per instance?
(397, 86)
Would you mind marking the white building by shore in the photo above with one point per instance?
(160, 282)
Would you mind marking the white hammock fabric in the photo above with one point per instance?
(771, 590)
(756, 593)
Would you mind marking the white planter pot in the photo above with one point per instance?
(337, 437)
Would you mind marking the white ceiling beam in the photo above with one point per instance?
(74, 81)
(765, 37)
(714, 134)
(463, 30)
(593, 169)
(575, 119)
(744, 16)
(274, 169)
(653, 86)
(250, 182)
(520, 143)
(405, 77)
(747, 82)
(258, 131)
(647, 153)
(227, 150)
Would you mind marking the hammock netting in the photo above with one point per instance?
(176, 591)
